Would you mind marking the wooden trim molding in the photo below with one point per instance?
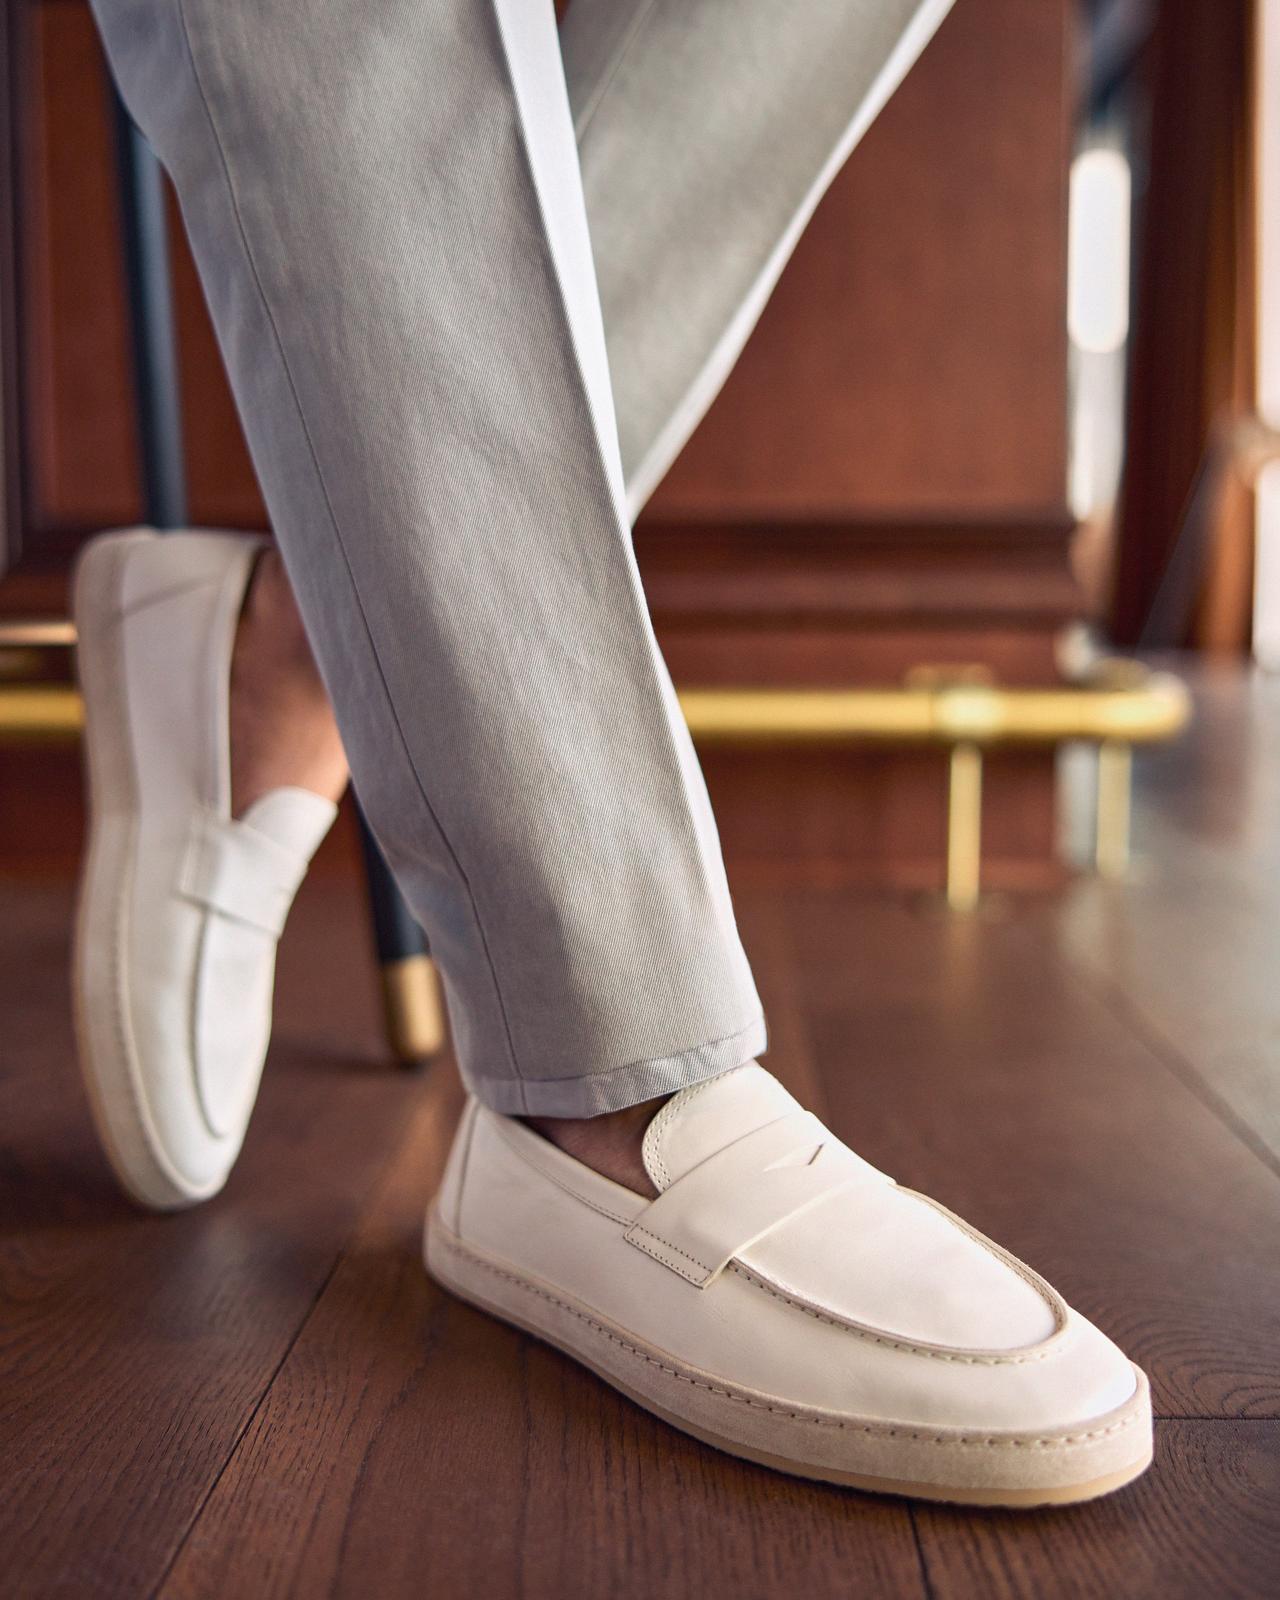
(865, 573)
(866, 604)
(12, 105)
(860, 603)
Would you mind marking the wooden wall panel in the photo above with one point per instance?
(80, 439)
(912, 361)
(881, 484)
(81, 442)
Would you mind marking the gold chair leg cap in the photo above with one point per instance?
(414, 1008)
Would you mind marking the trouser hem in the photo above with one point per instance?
(592, 1094)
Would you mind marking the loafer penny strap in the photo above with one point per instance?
(235, 870)
(727, 1202)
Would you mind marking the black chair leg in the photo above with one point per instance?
(410, 988)
(154, 338)
(411, 1001)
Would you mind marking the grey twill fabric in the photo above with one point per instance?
(386, 204)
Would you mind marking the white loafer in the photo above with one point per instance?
(783, 1300)
(180, 905)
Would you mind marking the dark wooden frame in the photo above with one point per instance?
(12, 80)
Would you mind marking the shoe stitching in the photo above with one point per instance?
(551, 1177)
(657, 1128)
(1057, 1441)
(929, 1352)
(1057, 1305)
(1051, 1345)
(665, 1244)
(1045, 1291)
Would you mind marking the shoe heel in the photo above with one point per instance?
(96, 594)
(101, 1020)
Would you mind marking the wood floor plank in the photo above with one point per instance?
(266, 1397)
(411, 1446)
(1190, 941)
(134, 1348)
(1202, 1523)
(969, 1059)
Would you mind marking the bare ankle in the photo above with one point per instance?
(270, 619)
(282, 725)
(609, 1144)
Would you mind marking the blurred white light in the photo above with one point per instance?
(1268, 193)
(1098, 258)
(1266, 578)
(1266, 594)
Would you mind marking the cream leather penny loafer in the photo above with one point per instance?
(180, 905)
(785, 1301)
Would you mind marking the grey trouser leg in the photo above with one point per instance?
(385, 204)
(708, 130)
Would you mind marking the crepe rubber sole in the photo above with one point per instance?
(108, 1057)
(940, 1464)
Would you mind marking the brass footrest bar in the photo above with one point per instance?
(964, 827)
(413, 1008)
(974, 713)
(1137, 708)
(1115, 782)
(778, 716)
(966, 718)
(37, 633)
(39, 711)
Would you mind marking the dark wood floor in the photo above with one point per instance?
(267, 1397)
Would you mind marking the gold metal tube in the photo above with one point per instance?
(38, 711)
(38, 632)
(413, 1008)
(1115, 785)
(970, 714)
(950, 714)
(749, 716)
(964, 827)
